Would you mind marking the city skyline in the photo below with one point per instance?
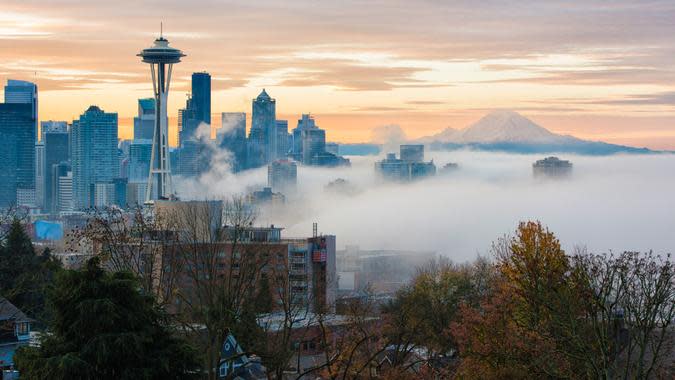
(594, 70)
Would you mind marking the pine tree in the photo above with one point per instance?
(103, 327)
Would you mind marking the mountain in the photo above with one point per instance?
(511, 132)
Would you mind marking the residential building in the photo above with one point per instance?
(15, 328)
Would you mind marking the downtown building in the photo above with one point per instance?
(232, 137)
(194, 155)
(409, 167)
(56, 148)
(18, 130)
(94, 158)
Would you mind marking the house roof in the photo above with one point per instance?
(10, 312)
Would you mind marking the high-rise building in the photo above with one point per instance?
(313, 144)
(232, 136)
(22, 92)
(161, 58)
(56, 142)
(144, 123)
(193, 158)
(17, 157)
(52, 126)
(201, 96)
(305, 122)
(412, 152)
(405, 170)
(264, 123)
(188, 123)
(282, 175)
(139, 160)
(282, 139)
(94, 156)
(62, 188)
(39, 174)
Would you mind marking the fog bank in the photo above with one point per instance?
(624, 202)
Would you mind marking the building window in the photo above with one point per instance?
(23, 328)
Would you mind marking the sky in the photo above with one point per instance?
(594, 69)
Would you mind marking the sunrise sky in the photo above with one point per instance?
(597, 70)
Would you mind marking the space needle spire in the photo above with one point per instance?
(161, 58)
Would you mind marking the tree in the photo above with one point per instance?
(24, 275)
(103, 327)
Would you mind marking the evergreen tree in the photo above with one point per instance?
(103, 327)
(24, 276)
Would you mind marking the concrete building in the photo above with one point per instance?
(282, 175)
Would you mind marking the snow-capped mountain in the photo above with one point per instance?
(498, 127)
(510, 131)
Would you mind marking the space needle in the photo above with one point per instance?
(161, 58)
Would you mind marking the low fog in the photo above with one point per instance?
(623, 202)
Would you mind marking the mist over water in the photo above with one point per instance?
(621, 202)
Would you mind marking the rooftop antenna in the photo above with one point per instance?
(161, 29)
(314, 229)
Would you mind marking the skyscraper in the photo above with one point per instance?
(201, 96)
(159, 56)
(313, 144)
(39, 174)
(264, 124)
(282, 139)
(139, 160)
(282, 175)
(305, 122)
(232, 136)
(17, 156)
(22, 92)
(56, 150)
(144, 123)
(94, 156)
